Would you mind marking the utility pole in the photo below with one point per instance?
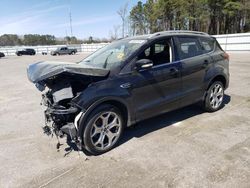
(70, 20)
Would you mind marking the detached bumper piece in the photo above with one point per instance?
(59, 120)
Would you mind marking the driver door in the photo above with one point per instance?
(157, 89)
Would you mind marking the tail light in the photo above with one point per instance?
(226, 56)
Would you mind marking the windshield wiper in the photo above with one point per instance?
(106, 61)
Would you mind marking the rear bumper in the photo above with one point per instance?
(227, 82)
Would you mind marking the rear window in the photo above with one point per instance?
(207, 44)
(189, 47)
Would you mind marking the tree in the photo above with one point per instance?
(10, 40)
(91, 39)
(114, 34)
(122, 12)
(212, 16)
(150, 16)
(137, 17)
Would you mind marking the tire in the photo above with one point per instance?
(214, 97)
(102, 130)
(57, 54)
(72, 53)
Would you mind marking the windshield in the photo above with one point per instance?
(113, 54)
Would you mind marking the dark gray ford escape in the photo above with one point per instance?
(127, 81)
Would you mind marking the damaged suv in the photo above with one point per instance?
(127, 81)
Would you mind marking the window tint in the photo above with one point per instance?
(189, 47)
(160, 52)
(207, 44)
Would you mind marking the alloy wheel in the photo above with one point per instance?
(106, 130)
(216, 96)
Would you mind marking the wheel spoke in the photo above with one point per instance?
(105, 118)
(216, 102)
(114, 123)
(111, 137)
(100, 141)
(212, 94)
(97, 130)
(220, 92)
(217, 87)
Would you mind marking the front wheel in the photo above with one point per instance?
(103, 129)
(214, 97)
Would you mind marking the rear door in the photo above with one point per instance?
(194, 62)
(63, 50)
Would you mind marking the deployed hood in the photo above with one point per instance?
(43, 70)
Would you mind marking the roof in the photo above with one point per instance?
(169, 33)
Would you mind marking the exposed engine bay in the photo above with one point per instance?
(59, 84)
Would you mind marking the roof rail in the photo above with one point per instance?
(178, 31)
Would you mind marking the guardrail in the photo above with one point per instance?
(230, 42)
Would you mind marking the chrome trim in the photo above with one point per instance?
(77, 119)
(147, 65)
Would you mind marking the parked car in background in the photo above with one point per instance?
(26, 51)
(64, 51)
(130, 80)
(2, 54)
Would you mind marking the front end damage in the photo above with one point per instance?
(59, 84)
(61, 120)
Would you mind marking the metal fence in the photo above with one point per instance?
(234, 42)
(88, 48)
(230, 42)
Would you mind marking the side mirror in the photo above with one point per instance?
(143, 64)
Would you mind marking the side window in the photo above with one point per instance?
(160, 52)
(207, 44)
(147, 52)
(159, 48)
(189, 47)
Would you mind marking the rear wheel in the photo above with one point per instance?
(214, 98)
(103, 129)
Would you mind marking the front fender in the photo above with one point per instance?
(97, 94)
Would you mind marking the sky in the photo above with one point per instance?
(89, 17)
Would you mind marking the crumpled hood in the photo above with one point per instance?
(42, 70)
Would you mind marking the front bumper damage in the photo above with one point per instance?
(61, 82)
(61, 121)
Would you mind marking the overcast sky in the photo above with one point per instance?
(89, 17)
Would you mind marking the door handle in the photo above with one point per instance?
(205, 64)
(173, 71)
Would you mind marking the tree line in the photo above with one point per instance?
(211, 16)
(36, 39)
(30, 39)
